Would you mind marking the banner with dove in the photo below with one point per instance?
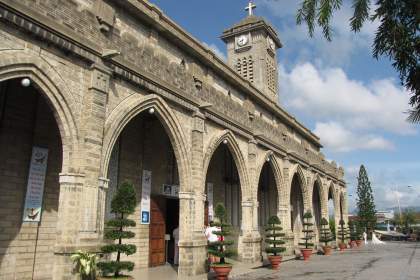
(35, 186)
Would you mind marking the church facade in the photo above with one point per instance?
(94, 93)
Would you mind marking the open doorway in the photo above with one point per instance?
(172, 223)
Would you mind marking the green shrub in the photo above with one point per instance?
(85, 264)
(122, 204)
(307, 231)
(273, 236)
(343, 232)
(325, 234)
(220, 248)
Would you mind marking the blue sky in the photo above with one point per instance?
(353, 102)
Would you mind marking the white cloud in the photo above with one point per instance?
(348, 114)
(216, 50)
(338, 139)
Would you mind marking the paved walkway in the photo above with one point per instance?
(392, 261)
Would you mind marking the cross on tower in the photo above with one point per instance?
(250, 7)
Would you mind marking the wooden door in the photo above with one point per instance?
(157, 232)
(206, 213)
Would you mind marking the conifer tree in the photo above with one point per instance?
(273, 236)
(220, 248)
(307, 231)
(326, 235)
(122, 204)
(365, 203)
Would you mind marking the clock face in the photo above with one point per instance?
(271, 43)
(242, 41)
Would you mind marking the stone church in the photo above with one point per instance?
(94, 93)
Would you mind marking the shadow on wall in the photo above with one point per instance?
(26, 120)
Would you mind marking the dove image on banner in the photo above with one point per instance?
(35, 187)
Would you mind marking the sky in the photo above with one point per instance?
(352, 101)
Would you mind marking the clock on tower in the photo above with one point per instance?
(251, 47)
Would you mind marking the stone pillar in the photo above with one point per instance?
(196, 246)
(249, 245)
(284, 212)
(94, 113)
(68, 223)
(192, 254)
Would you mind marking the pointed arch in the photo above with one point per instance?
(297, 170)
(19, 64)
(131, 107)
(335, 197)
(237, 155)
(277, 171)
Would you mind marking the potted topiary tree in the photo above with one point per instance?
(353, 234)
(359, 233)
(219, 248)
(122, 204)
(308, 235)
(342, 235)
(273, 241)
(325, 236)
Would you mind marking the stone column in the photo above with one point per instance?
(94, 113)
(68, 223)
(250, 239)
(284, 212)
(195, 245)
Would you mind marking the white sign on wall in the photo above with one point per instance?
(170, 190)
(210, 200)
(146, 187)
(35, 187)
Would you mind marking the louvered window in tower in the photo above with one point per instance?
(245, 68)
(271, 74)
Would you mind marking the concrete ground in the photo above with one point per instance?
(392, 261)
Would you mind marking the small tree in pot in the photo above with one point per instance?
(273, 241)
(326, 236)
(359, 233)
(219, 248)
(342, 234)
(122, 204)
(353, 234)
(308, 235)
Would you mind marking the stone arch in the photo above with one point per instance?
(19, 64)
(303, 184)
(335, 197)
(131, 107)
(322, 193)
(238, 157)
(277, 171)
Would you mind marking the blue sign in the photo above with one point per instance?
(145, 217)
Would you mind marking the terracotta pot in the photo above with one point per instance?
(222, 271)
(359, 243)
(275, 261)
(327, 250)
(353, 244)
(342, 246)
(306, 254)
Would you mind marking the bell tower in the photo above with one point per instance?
(251, 49)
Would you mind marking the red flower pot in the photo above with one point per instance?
(222, 271)
(342, 246)
(359, 243)
(275, 261)
(306, 254)
(327, 250)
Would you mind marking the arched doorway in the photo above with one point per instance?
(296, 207)
(316, 208)
(143, 154)
(223, 185)
(31, 160)
(267, 196)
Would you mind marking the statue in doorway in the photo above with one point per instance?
(175, 235)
